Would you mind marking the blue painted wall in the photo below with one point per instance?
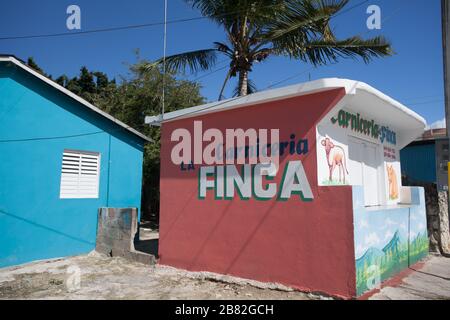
(34, 222)
(387, 239)
(418, 162)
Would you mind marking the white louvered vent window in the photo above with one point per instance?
(80, 175)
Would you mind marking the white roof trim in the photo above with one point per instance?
(350, 87)
(73, 96)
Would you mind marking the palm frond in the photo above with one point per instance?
(222, 47)
(228, 76)
(257, 29)
(320, 51)
(301, 20)
(208, 8)
(223, 12)
(199, 60)
(228, 12)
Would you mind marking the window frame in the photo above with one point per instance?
(77, 192)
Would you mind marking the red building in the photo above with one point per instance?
(307, 223)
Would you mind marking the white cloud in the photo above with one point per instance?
(403, 226)
(389, 222)
(363, 224)
(371, 240)
(388, 235)
(359, 251)
(437, 124)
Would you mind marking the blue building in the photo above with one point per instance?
(425, 160)
(61, 159)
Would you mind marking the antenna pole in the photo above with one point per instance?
(164, 60)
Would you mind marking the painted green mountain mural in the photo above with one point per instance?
(395, 256)
(394, 244)
(370, 257)
(418, 248)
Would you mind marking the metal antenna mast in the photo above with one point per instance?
(164, 60)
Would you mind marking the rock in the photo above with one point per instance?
(437, 219)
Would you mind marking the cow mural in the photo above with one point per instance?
(335, 158)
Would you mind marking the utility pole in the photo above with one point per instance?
(445, 8)
(443, 212)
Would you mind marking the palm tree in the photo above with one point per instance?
(258, 29)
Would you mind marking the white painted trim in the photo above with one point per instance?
(351, 88)
(73, 96)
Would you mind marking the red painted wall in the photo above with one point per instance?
(307, 245)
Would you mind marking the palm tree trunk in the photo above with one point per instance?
(243, 83)
(224, 84)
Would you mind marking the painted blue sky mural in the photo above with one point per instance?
(376, 230)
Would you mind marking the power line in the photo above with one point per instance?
(350, 8)
(289, 78)
(427, 96)
(277, 83)
(212, 106)
(298, 74)
(55, 137)
(425, 102)
(110, 29)
(127, 127)
(165, 22)
(219, 103)
(146, 25)
(344, 11)
(136, 26)
(95, 132)
(209, 73)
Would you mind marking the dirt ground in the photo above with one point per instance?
(103, 277)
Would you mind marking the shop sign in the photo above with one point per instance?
(243, 162)
(370, 128)
(255, 181)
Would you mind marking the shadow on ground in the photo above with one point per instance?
(147, 246)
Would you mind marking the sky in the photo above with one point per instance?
(376, 230)
(413, 76)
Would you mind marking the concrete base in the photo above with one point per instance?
(116, 233)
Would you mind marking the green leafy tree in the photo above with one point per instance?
(32, 64)
(86, 81)
(140, 95)
(62, 80)
(258, 29)
(130, 100)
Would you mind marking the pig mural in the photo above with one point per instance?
(335, 158)
(393, 184)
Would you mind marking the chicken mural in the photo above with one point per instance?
(336, 158)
